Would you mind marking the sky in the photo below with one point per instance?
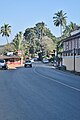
(23, 14)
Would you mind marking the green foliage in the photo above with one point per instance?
(29, 35)
(18, 41)
(69, 28)
(34, 36)
(7, 48)
(66, 33)
(26, 52)
(60, 19)
(50, 35)
(5, 31)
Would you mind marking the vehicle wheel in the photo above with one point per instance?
(4, 68)
(25, 66)
(30, 65)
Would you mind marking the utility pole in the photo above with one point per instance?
(74, 59)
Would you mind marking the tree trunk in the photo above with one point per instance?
(61, 30)
(7, 39)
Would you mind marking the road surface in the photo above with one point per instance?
(39, 93)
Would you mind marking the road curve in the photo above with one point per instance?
(39, 93)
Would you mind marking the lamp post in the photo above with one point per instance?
(74, 59)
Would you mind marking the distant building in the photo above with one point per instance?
(11, 59)
(71, 52)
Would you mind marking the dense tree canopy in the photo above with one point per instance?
(69, 28)
(34, 36)
(37, 38)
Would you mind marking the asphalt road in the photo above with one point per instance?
(39, 93)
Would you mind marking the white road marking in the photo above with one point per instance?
(71, 87)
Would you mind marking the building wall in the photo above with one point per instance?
(68, 61)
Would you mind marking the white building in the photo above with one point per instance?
(71, 53)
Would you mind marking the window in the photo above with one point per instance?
(64, 46)
(76, 45)
(72, 44)
(67, 45)
(79, 43)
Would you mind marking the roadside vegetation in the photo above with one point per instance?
(38, 39)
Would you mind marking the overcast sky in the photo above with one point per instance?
(22, 14)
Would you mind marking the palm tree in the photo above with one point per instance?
(68, 29)
(18, 41)
(60, 20)
(19, 45)
(5, 31)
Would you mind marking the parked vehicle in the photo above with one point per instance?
(28, 63)
(3, 64)
(32, 60)
(45, 60)
(55, 64)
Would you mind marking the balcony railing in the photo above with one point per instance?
(71, 52)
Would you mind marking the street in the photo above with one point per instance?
(39, 93)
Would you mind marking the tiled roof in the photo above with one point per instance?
(8, 57)
(72, 37)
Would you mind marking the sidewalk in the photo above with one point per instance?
(14, 66)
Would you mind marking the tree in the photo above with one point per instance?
(5, 31)
(19, 45)
(60, 20)
(69, 28)
(30, 37)
(50, 35)
(34, 37)
(18, 41)
(40, 31)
